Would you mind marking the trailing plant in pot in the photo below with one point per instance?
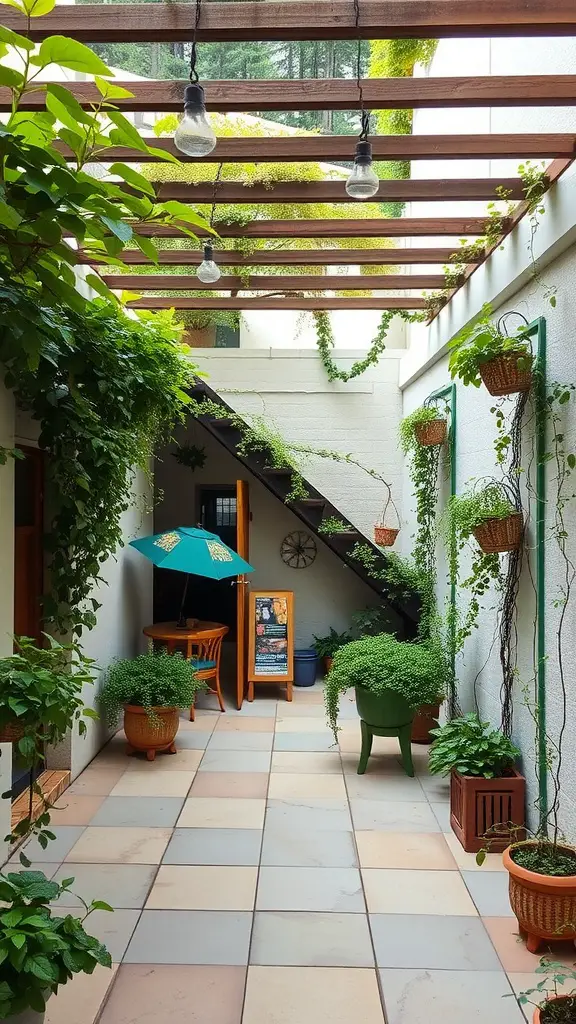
(326, 646)
(384, 534)
(151, 689)
(391, 679)
(423, 426)
(489, 514)
(487, 793)
(481, 352)
(554, 1000)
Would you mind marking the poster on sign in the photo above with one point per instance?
(271, 636)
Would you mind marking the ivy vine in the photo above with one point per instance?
(325, 342)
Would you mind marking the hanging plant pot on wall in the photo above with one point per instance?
(507, 374)
(498, 535)
(431, 433)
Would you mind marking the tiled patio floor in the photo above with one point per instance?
(258, 880)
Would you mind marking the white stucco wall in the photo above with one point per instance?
(289, 329)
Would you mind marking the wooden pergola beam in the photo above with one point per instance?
(373, 227)
(305, 148)
(289, 257)
(406, 190)
(332, 94)
(276, 20)
(276, 302)
(274, 283)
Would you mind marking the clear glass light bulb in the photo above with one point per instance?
(194, 135)
(363, 182)
(208, 272)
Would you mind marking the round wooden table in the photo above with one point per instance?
(203, 643)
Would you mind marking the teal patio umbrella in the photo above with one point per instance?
(194, 551)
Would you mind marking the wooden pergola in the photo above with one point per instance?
(325, 20)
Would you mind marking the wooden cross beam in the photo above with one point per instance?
(378, 227)
(273, 283)
(276, 302)
(289, 257)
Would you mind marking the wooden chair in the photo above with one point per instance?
(205, 656)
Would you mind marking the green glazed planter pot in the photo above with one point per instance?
(384, 714)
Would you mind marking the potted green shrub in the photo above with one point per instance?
(40, 951)
(424, 427)
(551, 1006)
(326, 646)
(151, 689)
(487, 792)
(542, 888)
(391, 680)
(489, 514)
(481, 353)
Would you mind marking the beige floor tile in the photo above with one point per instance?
(312, 995)
(309, 697)
(229, 784)
(522, 982)
(202, 723)
(73, 809)
(283, 785)
(404, 850)
(308, 763)
(203, 888)
(235, 723)
(162, 784)
(81, 998)
(104, 845)
(94, 782)
(384, 764)
(222, 812)
(416, 892)
(172, 994)
(291, 723)
(511, 947)
(299, 710)
(467, 861)
(183, 761)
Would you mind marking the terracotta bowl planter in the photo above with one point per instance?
(430, 433)
(327, 664)
(477, 804)
(545, 905)
(150, 735)
(384, 536)
(497, 535)
(425, 719)
(503, 376)
(538, 1018)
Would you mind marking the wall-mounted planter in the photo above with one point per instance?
(425, 719)
(545, 905)
(498, 535)
(431, 433)
(477, 805)
(503, 376)
(384, 536)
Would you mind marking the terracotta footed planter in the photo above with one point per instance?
(430, 433)
(544, 905)
(498, 535)
(327, 664)
(384, 536)
(425, 719)
(538, 1017)
(503, 376)
(150, 735)
(477, 805)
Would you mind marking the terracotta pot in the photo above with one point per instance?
(496, 535)
(538, 1018)
(425, 719)
(12, 732)
(384, 536)
(502, 376)
(327, 664)
(477, 804)
(544, 905)
(430, 433)
(151, 734)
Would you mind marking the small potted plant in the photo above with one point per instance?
(487, 513)
(391, 680)
(151, 689)
(332, 526)
(326, 646)
(424, 427)
(542, 888)
(482, 353)
(40, 951)
(551, 1006)
(487, 793)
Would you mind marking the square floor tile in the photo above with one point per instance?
(235, 740)
(109, 844)
(404, 850)
(320, 741)
(236, 760)
(312, 995)
(66, 838)
(114, 930)
(284, 786)
(376, 767)
(185, 887)
(191, 937)
(123, 886)
(236, 723)
(306, 762)
(282, 847)
(489, 892)
(322, 889)
(95, 782)
(467, 861)
(442, 997)
(416, 892)
(74, 809)
(157, 811)
(184, 761)
(442, 815)
(88, 991)
(251, 785)
(436, 788)
(393, 816)
(293, 939)
(189, 739)
(303, 815)
(214, 846)
(432, 942)
(511, 947)
(291, 723)
(299, 710)
(522, 982)
(392, 788)
(158, 994)
(164, 784)
(222, 812)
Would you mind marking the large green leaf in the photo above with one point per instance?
(13, 38)
(125, 134)
(36, 8)
(111, 91)
(65, 107)
(99, 286)
(69, 53)
(8, 76)
(185, 213)
(9, 217)
(119, 228)
(132, 177)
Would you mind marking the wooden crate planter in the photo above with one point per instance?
(476, 805)
(425, 719)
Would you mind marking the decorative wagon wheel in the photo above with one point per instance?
(298, 550)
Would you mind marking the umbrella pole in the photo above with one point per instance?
(182, 621)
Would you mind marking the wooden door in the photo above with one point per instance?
(28, 546)
(243, 549)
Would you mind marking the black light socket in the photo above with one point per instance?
(363, 155)
(208, 252)
(194, 99)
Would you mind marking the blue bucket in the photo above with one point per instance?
(305, 665)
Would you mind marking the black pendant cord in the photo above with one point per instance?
(194, 79)
(364, 114)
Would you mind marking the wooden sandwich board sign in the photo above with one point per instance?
(271, 639)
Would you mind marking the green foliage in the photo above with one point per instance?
(558, 1004)
(424, 414)
(191, 455)
(467, 511)
(401, 574)
(332, 524)
(545, 858)
(153, 680)
(479, 342)
(370, 621)
(326, 646)
(417, 671)
(39, 951)
(471, 747)
(325, 342)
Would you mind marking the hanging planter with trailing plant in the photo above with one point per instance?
(496, 536)
(385, 535)
(484, 353)
(507, 374)
(488, 514)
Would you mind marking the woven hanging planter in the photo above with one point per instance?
(384, 536)
(431, 433)
(151, 734)
(12, 732)
(503, 376)
(544, 905)
(498, 535)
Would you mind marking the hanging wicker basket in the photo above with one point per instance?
(384, 536)
(11, 732)
(498, 535)
(503, 376)
(431, 433)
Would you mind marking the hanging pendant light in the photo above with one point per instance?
(194, 135)
(208, 272)
(363, 182)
